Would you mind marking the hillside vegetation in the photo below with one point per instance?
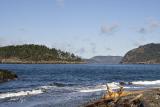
(147, 54)
(35, 54)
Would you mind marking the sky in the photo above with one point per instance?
(84, 27)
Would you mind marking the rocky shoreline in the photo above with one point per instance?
(18, 61)
(143, 98)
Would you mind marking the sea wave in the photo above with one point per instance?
(35, 91)
(47, 87)
(21, 93)
(102, 87)
(93, 89)
(58, 84)
(113, 85)
(156, 82)
(135, 85)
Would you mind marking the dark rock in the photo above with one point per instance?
(130, 83)
(6, 75)
(122, 83)
(125, 83)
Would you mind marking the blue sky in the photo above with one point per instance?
(84, 27)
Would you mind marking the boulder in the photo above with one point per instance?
(6, 75)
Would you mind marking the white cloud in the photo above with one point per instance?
(142, 30)
(151, 26)
(154, 24)
(108, 29)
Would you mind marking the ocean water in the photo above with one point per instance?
(71, 85)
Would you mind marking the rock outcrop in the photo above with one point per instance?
(6, 75)
(147, 54)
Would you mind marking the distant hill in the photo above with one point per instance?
(147, 54)
(31, 53)
(105, 59)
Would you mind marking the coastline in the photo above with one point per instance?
(137, 98)
(42, 62)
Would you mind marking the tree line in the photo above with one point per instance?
(32, 52)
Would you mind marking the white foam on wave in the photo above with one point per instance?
(38, 90)
(113, 85)
(35, 91)
(94, 89)
(47, 87)
(156, 82)
(20, 93)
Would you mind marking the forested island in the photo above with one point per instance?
(146, 54)
(31, 53)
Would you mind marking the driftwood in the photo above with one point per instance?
(114, 95)
(136, 98)
(115, 98)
